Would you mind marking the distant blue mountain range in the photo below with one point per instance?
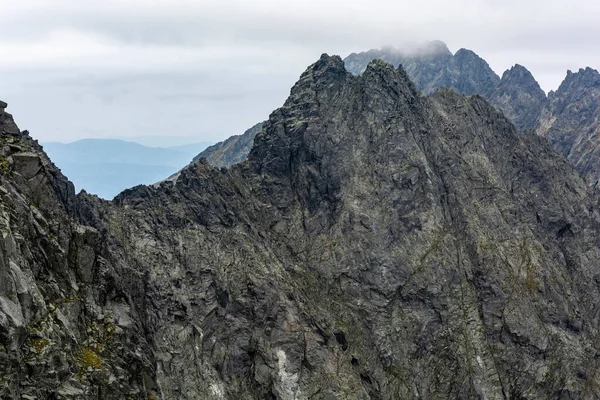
(108, 166)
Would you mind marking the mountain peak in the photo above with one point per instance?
(434, 48)
(520, 97)
(327, 62)
(584, 71)
(571, 123)
(438, 46)
(387, 75)
(582, 74)
(517, 69)
(466, 53)
(379, 65)
(583, 79)
(519, 74)
(327, 70)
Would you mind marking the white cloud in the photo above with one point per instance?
(67, 48)
(226, 49)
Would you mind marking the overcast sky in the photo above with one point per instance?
(212, 68)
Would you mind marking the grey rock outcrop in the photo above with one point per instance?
(433, 66)
(376, 244)
(520, 98)
(58, 335)
(571, 121)
(231, 151)
(568, 118)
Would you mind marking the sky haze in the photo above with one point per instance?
(210, 69)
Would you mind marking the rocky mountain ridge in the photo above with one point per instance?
(231, 151)
(377, 244)
(568, 117)
(432, 66)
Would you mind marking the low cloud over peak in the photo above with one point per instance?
(245, 54)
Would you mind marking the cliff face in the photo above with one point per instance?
(377, 244)
(433, 66)
(520, 98)
(568, 118)
(232, 151)
(71, 314)
(571, 121)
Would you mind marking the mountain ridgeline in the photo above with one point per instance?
(568, 118)
(232, 151)
(376, 244)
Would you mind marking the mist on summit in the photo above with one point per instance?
(211, 69)
(414, 221)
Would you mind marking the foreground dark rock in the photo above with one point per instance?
(377, 244)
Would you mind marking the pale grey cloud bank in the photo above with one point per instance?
(209, 69)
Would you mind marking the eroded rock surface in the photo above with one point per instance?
(520, 98)
(432, 66)
(232, 151)
(571, 121)
(568, 118)
(377, 244)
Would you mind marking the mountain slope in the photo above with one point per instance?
(568, 117)
(571, 121)
(520, 97)
(432, 66)
(231, 151)
(377, 244)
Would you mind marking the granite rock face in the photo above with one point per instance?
(568, 118)
(433, 66)
(231, 151)
(60, 333)
(571, 121)
(376, 244)
(520, 98)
